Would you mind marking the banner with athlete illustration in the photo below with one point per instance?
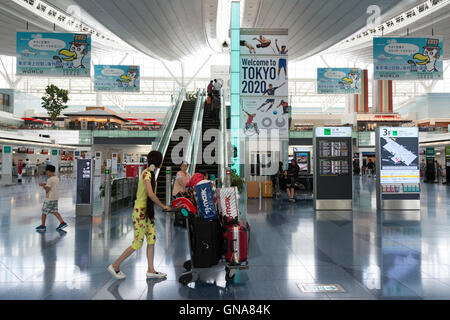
(264, 81)
(53, 54)
(259, 76)
(116, 78)
(265, 114)
(338, 81)
(408, 58)
(263, 41)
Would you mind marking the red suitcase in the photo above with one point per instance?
(228, 204)
(235, 244)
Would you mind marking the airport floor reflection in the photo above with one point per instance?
(372, 255)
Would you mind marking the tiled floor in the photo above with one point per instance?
(372, 255)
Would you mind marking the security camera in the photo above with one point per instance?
(225, 44)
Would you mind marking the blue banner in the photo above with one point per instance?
(117, 78)
(53, 54)
(205, 201)
(338, 81)
(408, 58)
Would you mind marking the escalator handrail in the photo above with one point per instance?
(169, 125)
(196, 132)
(223, 143)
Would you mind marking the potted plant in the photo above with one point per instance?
(237, 181)
(192, 96)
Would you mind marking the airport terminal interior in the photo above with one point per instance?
(224, 150)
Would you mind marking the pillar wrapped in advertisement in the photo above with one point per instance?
(264, 81)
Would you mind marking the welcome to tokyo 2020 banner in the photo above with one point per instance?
(116, 78)
(408, 58)
(53, 54)
(264, 81)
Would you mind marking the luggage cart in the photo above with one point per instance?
(191, 275)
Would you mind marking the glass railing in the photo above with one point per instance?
(196, 132)
(124, 134)
(167, 122)
(163, 139)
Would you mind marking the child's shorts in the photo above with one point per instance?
(143, 228)
(50, 207)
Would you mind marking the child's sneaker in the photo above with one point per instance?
(41, 228)
(61, 226)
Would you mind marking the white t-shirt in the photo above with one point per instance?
(53, 193)
(217, 86)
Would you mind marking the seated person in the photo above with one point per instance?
(285, 181)
(181, 180)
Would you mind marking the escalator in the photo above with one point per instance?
(208, 123)
(184, 121)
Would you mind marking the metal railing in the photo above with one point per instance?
(196, 132)
(223, 142)
(162, 141)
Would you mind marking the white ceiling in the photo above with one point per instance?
(177, 29)
(315, 25)
(14, 17)
(436, 23)
(163, 29)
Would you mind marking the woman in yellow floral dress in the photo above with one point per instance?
(144, 219)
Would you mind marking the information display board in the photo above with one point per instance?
(53, 54)
(84, 181)
(408, 58)
(333, 180)
(398, 172)
(338, 81)
(303, 159)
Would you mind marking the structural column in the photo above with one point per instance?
(361, 101)
(54, 159)
(235, 88)
(382, 94)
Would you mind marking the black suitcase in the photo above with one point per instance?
(206, 242)
(179, 220)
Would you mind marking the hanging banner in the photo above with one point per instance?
(53, 54)
(338, 81)
(117, 78)
(265, 113)
(408, 58)
(271, 42)
(264, 81)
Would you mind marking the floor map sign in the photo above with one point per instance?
(399, 155)
(408, 58)
(338, 81)
(264, 81)
(53, 54)
(116, 78)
